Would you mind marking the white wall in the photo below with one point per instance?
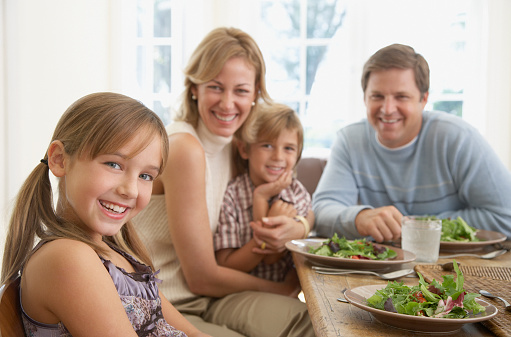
(498, 80)
(51, 61)
(3, 133)
(54, 51)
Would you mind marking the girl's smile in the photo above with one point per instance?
(113, 209)
(104, 193)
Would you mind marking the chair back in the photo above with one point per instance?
(11, 324)
(309, 171)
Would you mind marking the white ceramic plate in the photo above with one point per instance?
(357, 297)
(303, 246)
(486, 237)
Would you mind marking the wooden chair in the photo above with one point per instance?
(10, 311)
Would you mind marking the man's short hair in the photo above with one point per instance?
(401, 57)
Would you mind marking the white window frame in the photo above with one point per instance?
(200, 16)
(362, 44)
(128, 57)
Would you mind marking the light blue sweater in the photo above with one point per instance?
(449, 171)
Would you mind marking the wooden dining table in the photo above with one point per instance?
(331, 317)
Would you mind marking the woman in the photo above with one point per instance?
(224, 81)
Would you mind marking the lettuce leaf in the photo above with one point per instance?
(447, 299)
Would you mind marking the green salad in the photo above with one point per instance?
(446, 300)
(456, 230)
(359, 249)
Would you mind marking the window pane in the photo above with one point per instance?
(281, 18)
(324, 17)
(452, 107)
(314, 57)
(283, 63)
(293, 105)
(448, 81)
(162, 65)
(142, 18)
(162, 18)
(163, 111)
(141, 67)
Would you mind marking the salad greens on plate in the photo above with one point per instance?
(445, 300)
(359, 249)
(456, 230)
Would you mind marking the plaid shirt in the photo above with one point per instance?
(234, 229)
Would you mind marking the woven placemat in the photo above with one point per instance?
(496, 280)
(505, 245)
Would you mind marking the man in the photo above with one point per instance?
(402, 160)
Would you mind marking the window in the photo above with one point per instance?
(297, 34)
(152, 53)
(315, 51)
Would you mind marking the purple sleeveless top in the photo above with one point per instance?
(139, 295)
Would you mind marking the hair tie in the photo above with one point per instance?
(44, 161)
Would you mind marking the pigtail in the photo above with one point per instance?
(32, 208)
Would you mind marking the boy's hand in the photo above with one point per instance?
(268, 190)
(281, 207)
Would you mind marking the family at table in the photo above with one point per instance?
(400, 160)
(227, 201)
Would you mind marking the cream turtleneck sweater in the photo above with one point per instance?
(152, 223)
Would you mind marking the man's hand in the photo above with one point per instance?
(383, 223)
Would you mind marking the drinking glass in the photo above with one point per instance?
(421, 236)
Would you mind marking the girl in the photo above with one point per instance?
(224, 83)
(267, 154)
(84, 277)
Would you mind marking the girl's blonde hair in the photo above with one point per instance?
(96, 124)
(207, 61)
(268, 122)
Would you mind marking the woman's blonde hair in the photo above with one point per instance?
(96, 124)
(268, 122)
(207, 61)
